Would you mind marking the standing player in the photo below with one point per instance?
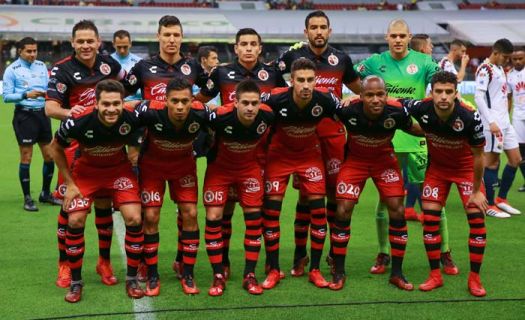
(294, 149)
(239, 128)
(458, 52)
(334, 68)
(455, 141)
(122, 45)
(25, 85)
(421, 42)
(516, 85)
(491, 99)
(167, 156)
(223, 80)
(71, 90)
(407, 74)
(371, 123)
(101, 168)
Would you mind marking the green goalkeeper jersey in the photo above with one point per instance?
(405, 78)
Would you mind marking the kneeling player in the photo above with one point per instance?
(371, 123)
(232, 162)
(455, 144)
(167, 156)
(101, 169)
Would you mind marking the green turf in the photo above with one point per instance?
(28, 266)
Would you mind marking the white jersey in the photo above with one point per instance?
(492, 81)
(446, 65)
(516, 84)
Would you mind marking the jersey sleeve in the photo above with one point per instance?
(133, 80)
(431, 69)
(118, 72)
(284, 62)
(349, 75)
(483, 78)
(476, 137)
(407, 121)
(333, 104)
(412, 107)
(365, 67)
(212, 86)
(66, 132)
(448, 66)
(9, 93)
(58, 87)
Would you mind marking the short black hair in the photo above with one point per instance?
(109, 85)
(204, 52)
(503, 46)
(519, 48)
(179, 83)
(418, 41)
(315, 14)
(458, 43)
(84, 25)
(24, 42)
(247, 31)
(247, 85)
(121, 34)
(303, 64)
(444, 77)
(168, 21)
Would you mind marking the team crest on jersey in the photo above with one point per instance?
(458, 125)
(193, 127)
(262, 127)
(412, 69)
(314, 174)
(361, 68)
(389, 123)
(185, 69)
(61, 87)
(333, 60)
(123, 183)
(317, 110)
(333, 166)
(210, 84)
(263, 75)
(124, 129)
(389, 176)
(282, 65)
(62, 190)
(252, 185)
(132, 80)
(105, 69)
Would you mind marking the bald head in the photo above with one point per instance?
(398, 24)
(372, 81)
(373, 95)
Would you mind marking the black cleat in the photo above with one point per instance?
(48, 198)
(522, 188)
(29, 204)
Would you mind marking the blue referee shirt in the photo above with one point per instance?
(21, 77)
(127, 63)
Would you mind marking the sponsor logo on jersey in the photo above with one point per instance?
(105, 69)
(87, 98)
(102, 151)
(167, 145)
(299, 132)
(123, 183)
(124, 129)
(317, 110)
(412, 69)
(314, 174)
(389, 123)
(458, 125)
(61, 87)
(390, 176)
(252, 185)
(263, 75)
(333, 60)
(158, 90)
(185, 69)
(194, 127)
(187, 181)
(401, 91)
(322, 81)
(238, 147)
(333, 165)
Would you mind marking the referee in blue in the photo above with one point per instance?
(25, 85)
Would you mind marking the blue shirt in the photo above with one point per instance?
(21, 77)
(127, 63)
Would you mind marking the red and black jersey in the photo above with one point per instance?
(224, 78)
(151, 76)
(294, 128)
(72, 83)
(164, 143)
(236, 145)
(372, 139)
(100, 146)
(449, 142)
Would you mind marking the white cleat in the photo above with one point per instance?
(505, 206)
(496, 213)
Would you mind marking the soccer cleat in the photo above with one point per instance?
(331, 263)
(522, 188)
(317, 279)
(298, 268)
(338, 281)
(474, 285)
(251, 285)
(493, 211)
(64, 275)
(29, 204)
(449, 267)
(105, 270)
(48, 198)
(382, 262)
(267, 269)
(133, 289)
(142, 272)
(504, 205)
(272, 279)
(434, 281)
(227, 271)
(177, 268)
(411, 214)
(218, 286)
(401, 282)
(152, 286)
(74, 294)
(189, 286)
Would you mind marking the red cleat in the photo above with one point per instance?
(105, 270)
(227, 271)
(317, 279)
(251, 285)
(298, 268)
(435, 280)
(400, 282)
(189, 286)
(338, 282)
(267, 270)
(448, 265)
(331, 263)
(411, 214)
(474, 285)
(64, 275)
(152, 287)
(74, 294)
(177, 268)
(382, 262)
(272, 279)
(218, 286)
(142, 272)
(133, 289)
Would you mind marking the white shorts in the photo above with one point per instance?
(509, 140)
(519, 127)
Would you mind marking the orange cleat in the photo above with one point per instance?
(411, 214)
(272, 279)
(251, 285)
(218, 286)
(142, 272)
(382, 262)
(64, 275)
(133, 289)
(338, 282)
(105, 270)
(227, 271)
(474, 285)
(189, 286)
(177, 268)
(435, 280)
(298, 268)
(449, 267)
(317, 279)
(331, 263)
(74, 294)
(267, 269)
(400, 282)
(152, 286)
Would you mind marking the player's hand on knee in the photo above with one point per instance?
(77, 109)
(479, 200)
(72, 192)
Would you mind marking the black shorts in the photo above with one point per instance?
(31, 126)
